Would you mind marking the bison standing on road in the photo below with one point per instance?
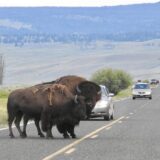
(80, 86)
(53, 105)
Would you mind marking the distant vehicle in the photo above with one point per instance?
(154, 81)
(141, 90)
(104, 107)
(139, 80)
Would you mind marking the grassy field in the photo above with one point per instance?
(3, 106)
(123, 94)
(36, 63)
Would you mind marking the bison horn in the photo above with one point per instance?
(76, 99)
(78, 90)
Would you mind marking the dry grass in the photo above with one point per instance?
(123, 94)
(3, 111)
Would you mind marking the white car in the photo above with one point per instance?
(141, 90)
(104, 107)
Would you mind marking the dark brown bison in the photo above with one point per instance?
(53, 104)
(80, 86)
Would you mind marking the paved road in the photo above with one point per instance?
(133, 135)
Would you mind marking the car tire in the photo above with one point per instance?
(107, 117)
(112, 116)
(133, 98)
(150, 97)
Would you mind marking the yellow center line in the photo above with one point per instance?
(95, 136)
(80, 140)
(108, 128)
(120, 122)
(70, 151)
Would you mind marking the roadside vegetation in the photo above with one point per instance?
(115, 80)
(123, 94)
(3, 106)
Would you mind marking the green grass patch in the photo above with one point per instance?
(4, 93)
(3, 106)
(123, 94)
(3, 111)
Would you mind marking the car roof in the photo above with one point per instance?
(141, 83)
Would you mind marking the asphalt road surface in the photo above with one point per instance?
(134, 134)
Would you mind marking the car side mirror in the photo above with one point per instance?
(111, 94)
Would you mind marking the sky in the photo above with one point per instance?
(67, 3)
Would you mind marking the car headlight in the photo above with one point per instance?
(148, 93)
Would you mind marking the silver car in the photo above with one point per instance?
(141, 90)
(104, 107)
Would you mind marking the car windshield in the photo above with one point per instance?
(104, 93)
(141, 86)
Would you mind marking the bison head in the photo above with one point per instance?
(92, 93)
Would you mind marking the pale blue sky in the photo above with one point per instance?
(72, 2)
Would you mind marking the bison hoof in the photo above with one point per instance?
(66, 136)
(11, 136)
(74, 136)
(49, 137)
(41, 135)
(23, 135)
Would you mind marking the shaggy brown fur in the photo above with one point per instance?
(54, 102)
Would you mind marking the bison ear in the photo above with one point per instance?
(76, 99)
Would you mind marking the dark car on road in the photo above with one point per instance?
(154, 81)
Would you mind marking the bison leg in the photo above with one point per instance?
(70, 129)
(49, 134)
(10, 121)
(46, 123)
(38, 128)
(62, 129)
(17, 122)
(25, 121)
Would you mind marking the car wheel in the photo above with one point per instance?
(112, 116)
(150, 97)
(133, 98)
(108, 115)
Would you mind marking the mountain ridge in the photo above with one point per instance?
(136, 22)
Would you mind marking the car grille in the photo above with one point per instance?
(141, 92)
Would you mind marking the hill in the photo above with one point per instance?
(21, 25)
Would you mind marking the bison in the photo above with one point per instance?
(53, 104)
(80, 86)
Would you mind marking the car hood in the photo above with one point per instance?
(141, 90)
